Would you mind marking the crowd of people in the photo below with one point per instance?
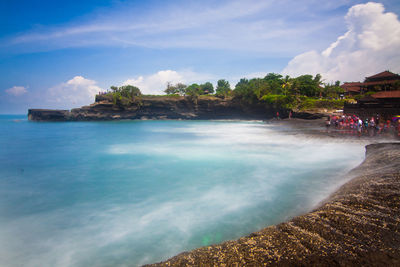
(373, 126)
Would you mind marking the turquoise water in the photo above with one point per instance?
(136, 192)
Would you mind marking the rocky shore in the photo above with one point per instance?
(162, 107)
(359, 225)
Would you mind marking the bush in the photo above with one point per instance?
(280, 101)
(310, 103)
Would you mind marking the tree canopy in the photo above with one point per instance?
(273, 88)
(125, 94)
(223, 88)
(207, 88)
(178, 88)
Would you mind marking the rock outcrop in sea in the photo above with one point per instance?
(359, 225)
(163, 107)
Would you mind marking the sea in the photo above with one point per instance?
(127, 193)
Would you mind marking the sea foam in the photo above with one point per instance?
(130, 193)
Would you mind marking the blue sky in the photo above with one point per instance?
(57, 54)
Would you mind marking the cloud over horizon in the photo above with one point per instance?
(17, 90)
(157, 82)
(370, 45)
(76, 92)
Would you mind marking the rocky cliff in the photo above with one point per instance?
(157, 108)
(358, 226)
(163, 108)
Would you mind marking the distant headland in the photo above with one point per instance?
(305, 96)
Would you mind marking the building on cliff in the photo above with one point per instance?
(384, 103)
(384, 81)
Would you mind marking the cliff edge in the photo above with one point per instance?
(165, 107)
(357, 226)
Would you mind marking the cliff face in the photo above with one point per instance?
(148, 107)
(158, 108)
(358, 226)
(211, 108)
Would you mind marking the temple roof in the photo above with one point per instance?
(352, 86)
(379, 82)
(384, 74)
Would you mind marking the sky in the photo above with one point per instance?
(59, 54)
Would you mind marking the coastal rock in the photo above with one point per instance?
(160, 108)
(307, 115)
(359, 225)
(47, 114)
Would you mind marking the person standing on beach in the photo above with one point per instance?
(359, 127)
(328, 121)
(398, 129)
(372, 127)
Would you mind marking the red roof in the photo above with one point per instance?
(351, 83)
(387, 94)
(380, 82)
(384, 74)
(352, 86)
(353, 89)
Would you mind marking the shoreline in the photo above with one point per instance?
(317, 128)
(359, 224)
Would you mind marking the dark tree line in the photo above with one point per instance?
(273, 89)
(258, 88)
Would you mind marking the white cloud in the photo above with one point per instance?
(269, 27)
(74, 93)
(370, 45)
(157, 82)
(17, 90)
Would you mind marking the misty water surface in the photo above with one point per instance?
(135, 192)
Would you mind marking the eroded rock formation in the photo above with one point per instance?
(165, 108)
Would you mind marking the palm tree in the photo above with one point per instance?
(286, 85)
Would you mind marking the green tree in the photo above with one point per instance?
(171, 89)
(273, 77)
(318, 83)
(129, 91)
(307, 85)
(261, 87)
(223, 88)
(294, 88)
(178, 88)
(207, 88)
(117, 97)
(124, 95)
(193, 90)
(286, 85)
(274, 82)
(181, 88)
(242, 88)
(333, 90)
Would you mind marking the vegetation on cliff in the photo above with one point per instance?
(301, 93)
